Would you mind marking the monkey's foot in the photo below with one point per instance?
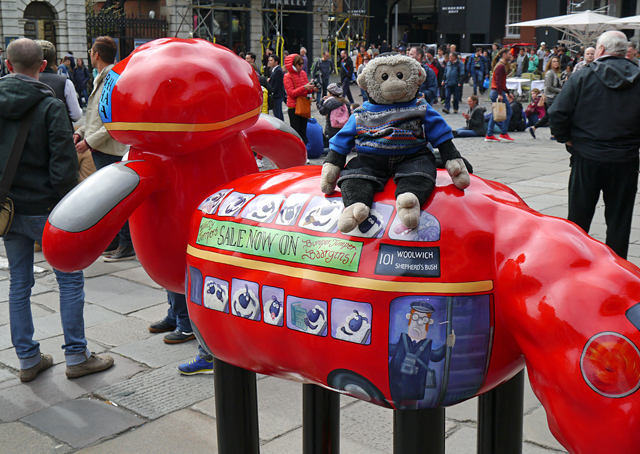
(408, 208)
(352, 216)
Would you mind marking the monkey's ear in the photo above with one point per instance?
(362, 81)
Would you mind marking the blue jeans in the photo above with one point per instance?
(82, 94)
(19, 246)
(478, 80)
(101, 160)
(179, 316)
(504, 125)
(448, 92)
(277, 108)
(464, 132)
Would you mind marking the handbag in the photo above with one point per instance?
(303, 104)
(6, 204)
(499, 110)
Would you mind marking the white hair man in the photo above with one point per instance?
(597, 115)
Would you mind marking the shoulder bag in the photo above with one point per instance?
(303, 105)
(6, 204)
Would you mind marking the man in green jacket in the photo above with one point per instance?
(47, 170)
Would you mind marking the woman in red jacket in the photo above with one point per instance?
(296, 85)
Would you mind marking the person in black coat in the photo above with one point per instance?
(476, 125)
(80, 80)
(596, 115)
(346, 71)
(277, 85)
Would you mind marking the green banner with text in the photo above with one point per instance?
(288, 246)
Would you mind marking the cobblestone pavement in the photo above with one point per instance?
(143, 405)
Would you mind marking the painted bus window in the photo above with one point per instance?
(438, 349)
(428, 229)
(195, 292)
(273, 305)
(291, 209)
(351, 321)
(376, 222)
(216, 294)
(244, 299)
(212, 202)
(234, 203)
(307, 315)
(263, 208)
(322, 214)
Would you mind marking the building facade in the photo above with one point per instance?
(63, 22)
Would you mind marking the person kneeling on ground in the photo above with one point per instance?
(475, 120)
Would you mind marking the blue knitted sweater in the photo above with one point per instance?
(391, 129)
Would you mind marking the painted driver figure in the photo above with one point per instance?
(409, 371)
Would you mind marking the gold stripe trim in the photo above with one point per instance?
(181, 127)
(345, 281)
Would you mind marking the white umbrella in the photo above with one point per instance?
(585, 26)
(632, 22)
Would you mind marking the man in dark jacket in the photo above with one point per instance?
(47, 170)
(277, 85)
(429, 88)
(346, 71)
(453, 78)
(596, 115)
(325, 68)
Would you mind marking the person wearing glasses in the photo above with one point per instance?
(409, 372)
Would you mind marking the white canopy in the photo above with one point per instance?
(631, 22)
(584, 27)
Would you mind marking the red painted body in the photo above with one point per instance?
(538, 288)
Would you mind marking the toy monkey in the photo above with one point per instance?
(390, 134)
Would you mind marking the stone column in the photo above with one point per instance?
(255, 29)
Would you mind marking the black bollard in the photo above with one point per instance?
(418, 431)
(320, 420)
(500, 418)
(236, 409)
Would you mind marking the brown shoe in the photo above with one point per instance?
(92, 365)
(26, 375)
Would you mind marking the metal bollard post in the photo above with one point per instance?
(418, 431)
(320, 420)
(500, 418)
(236, 409)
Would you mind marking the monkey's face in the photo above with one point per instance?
(393, 81)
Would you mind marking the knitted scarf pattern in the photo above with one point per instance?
(396, 128)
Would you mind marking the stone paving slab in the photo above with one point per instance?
(81, 422)
(184, 431)
(159, 392)
(51, 387)
(51, 346)
(19, 438)
(153, 313)
(139, 275)
(291, 443)
(155, 353)
(536, 430)
(120, 295)
(464, 441)
(119, 332)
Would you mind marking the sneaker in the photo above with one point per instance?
(506, 137)
(455, 111)
(445, 111)
(178, 337)
(260, 163)
(199, 365)
(26, 375)
(532, 131)
(161, 326)
(491, 139)
(552, 138)
(37, 247)
(92, 365)
(122, 253)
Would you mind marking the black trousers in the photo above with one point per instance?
(618, 183)
(299, 124)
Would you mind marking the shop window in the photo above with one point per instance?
(514, 12)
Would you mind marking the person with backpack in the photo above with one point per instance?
(336, 109)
